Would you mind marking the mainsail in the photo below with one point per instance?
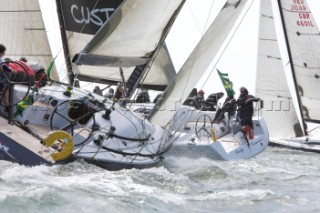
(303, 44)
(271, 81)
(23, 32)
(199, 60)
(127, 41)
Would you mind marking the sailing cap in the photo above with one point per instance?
(201, 92)
(23, 59)
(244, 90)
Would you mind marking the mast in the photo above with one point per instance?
(64, 43)
(292, 68)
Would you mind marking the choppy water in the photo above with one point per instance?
(278, 180)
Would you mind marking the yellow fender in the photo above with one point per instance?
(66, 145)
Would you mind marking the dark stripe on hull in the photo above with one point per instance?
(294, 148)
(12, 151)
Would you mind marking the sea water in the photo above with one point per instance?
(277, 180)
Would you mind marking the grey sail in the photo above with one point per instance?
(129, 39)
(303, 42)
(271, 81)
(291, 128)
(198, 61)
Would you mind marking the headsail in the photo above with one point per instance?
(303, 43)
(126, 41)
(271, 82)
(199, 60)
(24, 34)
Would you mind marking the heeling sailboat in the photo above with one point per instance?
(63, 123)
(229, 146)
(302, 43)
(130, 47)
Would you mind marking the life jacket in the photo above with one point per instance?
(244, 105)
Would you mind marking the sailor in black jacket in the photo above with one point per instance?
(245, 107)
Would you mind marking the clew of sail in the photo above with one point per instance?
(198, 61)
(271, 81)
(23, 32)
(129, 40)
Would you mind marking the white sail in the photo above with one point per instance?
(23, 32)
(199, 60)
(128, 40)
(271, 83)
(304, 48)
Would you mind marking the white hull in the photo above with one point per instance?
(228, 146)
(305, 143)
(123, 140)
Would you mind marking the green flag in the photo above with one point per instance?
(48, 71)
(23, 104)
(227, 84)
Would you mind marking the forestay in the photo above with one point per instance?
(199, 60)
(271, 82)
(131, 37)
(23, 32)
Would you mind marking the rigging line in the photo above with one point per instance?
(96, 3)
(194, 17)
(207, 20)
(313, 129)
(196, 50)
(58, 70)
(225, 48)
(73, 45)
(78, 36)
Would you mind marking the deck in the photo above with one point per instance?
(25, 139)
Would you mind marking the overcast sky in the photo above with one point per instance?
(239, 58)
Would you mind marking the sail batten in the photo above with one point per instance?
(303, 43)
(271, 82)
